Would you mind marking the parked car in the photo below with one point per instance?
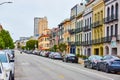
(70, 58)
(92, 61)
(47, 54)
(57, 55)
(9, 68)
(109, 63)
(35, 52)
(51, 54)
(3, 73)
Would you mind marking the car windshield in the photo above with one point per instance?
(3, 58)
(95, 57)
(116, 62)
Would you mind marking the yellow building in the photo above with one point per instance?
(98, 28)
(44, 40)
(66, 35)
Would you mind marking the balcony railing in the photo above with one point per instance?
(87, 43)
(98, 23)
(71, 43)
(77, 30)
(106, 0)
(72, 17)
(111, 18)
(86, 28)
(72, 31)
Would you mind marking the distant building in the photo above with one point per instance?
(36, 23)
(54, 37)
(40, 24)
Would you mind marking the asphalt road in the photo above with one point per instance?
(32, 67)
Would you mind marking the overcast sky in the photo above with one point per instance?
(18, 17)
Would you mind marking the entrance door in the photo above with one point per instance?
(89, 52)
(114, 51)
(97, 51)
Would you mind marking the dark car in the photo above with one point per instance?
(109, 63)
(70, 58)
(92, 61)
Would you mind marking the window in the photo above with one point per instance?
(108, 12)
(112, 11)
(90, 36)
(98, 16)
(81, 37)
(116, 29)
(87, 36)
(90, 22)
(111, 30)
(107, 31)
(116, 11)
(101, 15)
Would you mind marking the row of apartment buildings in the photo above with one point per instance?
(92, 28)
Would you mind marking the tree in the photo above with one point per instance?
(54, 48)
(62, 47)
(2, 44)
(31, 44)
(7, 39)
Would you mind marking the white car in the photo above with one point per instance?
(4, 58)
(3, 73)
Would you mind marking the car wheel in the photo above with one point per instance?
(91, 66)
(10, 78)
(85, 65)
(107, 69)
(97, 67)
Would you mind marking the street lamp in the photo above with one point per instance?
(4, 3)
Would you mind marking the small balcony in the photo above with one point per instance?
(98, 23)
(111, 19)
(86, 28)
(72, 17)
(77, 30)
(72, 31)
(71, 43)
(107, 39)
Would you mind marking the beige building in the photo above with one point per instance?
(42, 25)
(44, 40)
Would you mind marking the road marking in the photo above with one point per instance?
(83, 70)
(61, 76)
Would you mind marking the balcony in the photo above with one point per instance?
(77, 30)
(72, 17)
(111, 19)
(98, 41)
(106, 1)
(72, 31)
(87, 43)
(86, 28)
(107, 39)
(71, 43)
(97, 24)
(78, 43)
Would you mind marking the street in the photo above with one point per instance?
(32, 67)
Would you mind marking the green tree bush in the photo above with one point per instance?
(31, 44)
(7, 40)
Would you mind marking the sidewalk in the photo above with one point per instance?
(81, 61)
